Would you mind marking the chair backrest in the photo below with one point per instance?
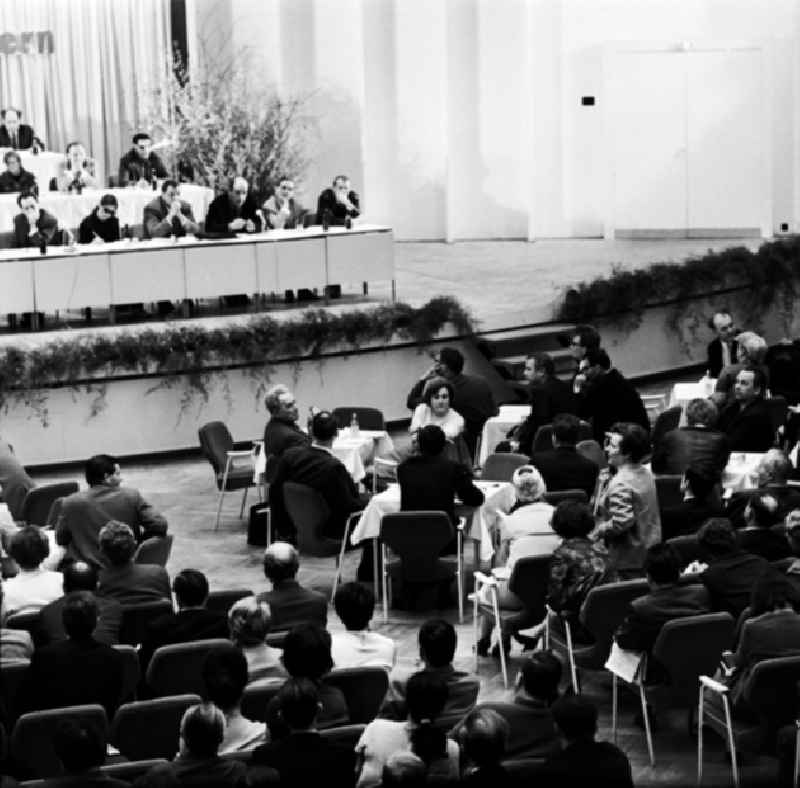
(128, 771)
(309, 513)
(688, 549)
(543, 440)
(368, 418)
(13, 679)
(500, 467)
(150, 728)
(345, 736)
(29, 620)
(418, 538)
(691, 647)
(524, 770)
(135, 619)
(771, 690)
(529, 582)
(130, 676)
(363, 688)
(667, 421)
(778, 408)
(32, 739)
(39, 500)
(257, 696)
(555, 497)
(215, 443)
(668, 490)
(221, 601)
(155, 550)
(177, 669)
(605, 608)
(593, 451)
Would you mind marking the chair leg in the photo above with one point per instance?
(547, 630)
(219, 507)
(475, 629)
(222, 491)
(731, 740)
(269, 526)
(700, 736)
(796, 753)
(460, 577)
(375, 580)
(573, 672)
(646, 717)
(499, 626)
(614, 690)
(340, 559)
(244, 501)
(385, 590)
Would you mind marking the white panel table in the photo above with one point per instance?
(16, 286)
(301, 262)
(221, 270)
(71, 282)
(139, 273)
(352, 253)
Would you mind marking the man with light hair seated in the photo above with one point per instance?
(752, 352)
(249, 622)
(282, 431)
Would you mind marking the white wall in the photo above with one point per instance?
(462, 118)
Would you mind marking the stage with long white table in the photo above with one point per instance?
(189, 268)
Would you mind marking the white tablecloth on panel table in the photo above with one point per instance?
(496, 428)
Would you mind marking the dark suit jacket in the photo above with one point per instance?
(223, 211)
(71, 673)
(599, 764)
(648, 614)
(327, 202)
(730, 581)
(547, 399)
(25, 137)
(291, 604)
(306, 759)
(715, 355)
(109, 619)
(748, 429)
(134, 583)
(323, 472)
(432, 483)
(764, 542)
(133, 168)
(280, 435)
(563, 468)
(691, 445)
(23, 182)
(46, 227)
(155, 224)
(611, 398)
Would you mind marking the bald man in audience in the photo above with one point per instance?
(282, 431)
(234, 211)
(15, 134)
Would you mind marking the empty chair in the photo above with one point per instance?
(667, 421)
(668, 489)
(593, 451)
(500, 467)
(155, 550)
(554, 498)
(233, 469)
(38, 502)
(363, 688)
(177, 669)
(135, 619)
(368, 418)
(221, 601)
(257, 696)
(150, 728)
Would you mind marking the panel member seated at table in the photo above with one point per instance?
(15, 178)
(77, 172)
(747, 422)
(102, 224)
(17, 135)
(140, 166)
(281, 208)
(340, 201)
(34, 225)
(168, 214)
(234, 211)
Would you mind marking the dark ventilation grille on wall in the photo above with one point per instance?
(587, 101)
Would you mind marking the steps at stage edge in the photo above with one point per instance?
(508, 349)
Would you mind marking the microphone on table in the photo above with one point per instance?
(260, 215)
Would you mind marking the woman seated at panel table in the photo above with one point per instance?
(435, 409)
(77, 172)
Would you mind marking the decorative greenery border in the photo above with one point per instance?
(183, 355)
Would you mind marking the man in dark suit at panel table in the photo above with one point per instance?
(562, 468)
(168, 214)
(234, 211)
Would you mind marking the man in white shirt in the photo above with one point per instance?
(357, 647)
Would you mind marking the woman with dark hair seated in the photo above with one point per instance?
(436, 408)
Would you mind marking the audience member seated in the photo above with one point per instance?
(482, 738)
(757, 536)
(426, 696)
(791, 565)
(84, 513)
(289, 603)
(168, 214)
(225, 677)
(102, 224)
(701, 500)
(15, 178)
(578, 563)
(627, 503)
(193, 621)
(317, 467)
(430, 481)
(536, 691)
(14, 481)
(340, 202)
(234, 211)
(303, 757)
(121, 578)
(403, 769)
(697, 444)
(472, 396)
(435, 408)
(140, 166)
(437, 647)
(747, 422)
(606, 397)
(33, 225)
(80, 576)
(357, 647)
(77, 670)
(549, 396)
(525, 531)
(666, 600)
(723, 349)
(583, 761)
(281, 208)
(82, 751)
(307, 655)
(198, 764)
(33, 587)
(281, 432)
(249, 624)
(752, 353)
(17, 135)
(731, 573)
(562, 468)
(77, 172)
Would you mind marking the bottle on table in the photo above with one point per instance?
(355, 430)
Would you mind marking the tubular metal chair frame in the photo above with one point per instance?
(489, 581)
(638, 682)
(231, 457)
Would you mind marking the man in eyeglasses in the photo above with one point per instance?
(102, 224)
(283, 211)
(234, 211)
(140, 165)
